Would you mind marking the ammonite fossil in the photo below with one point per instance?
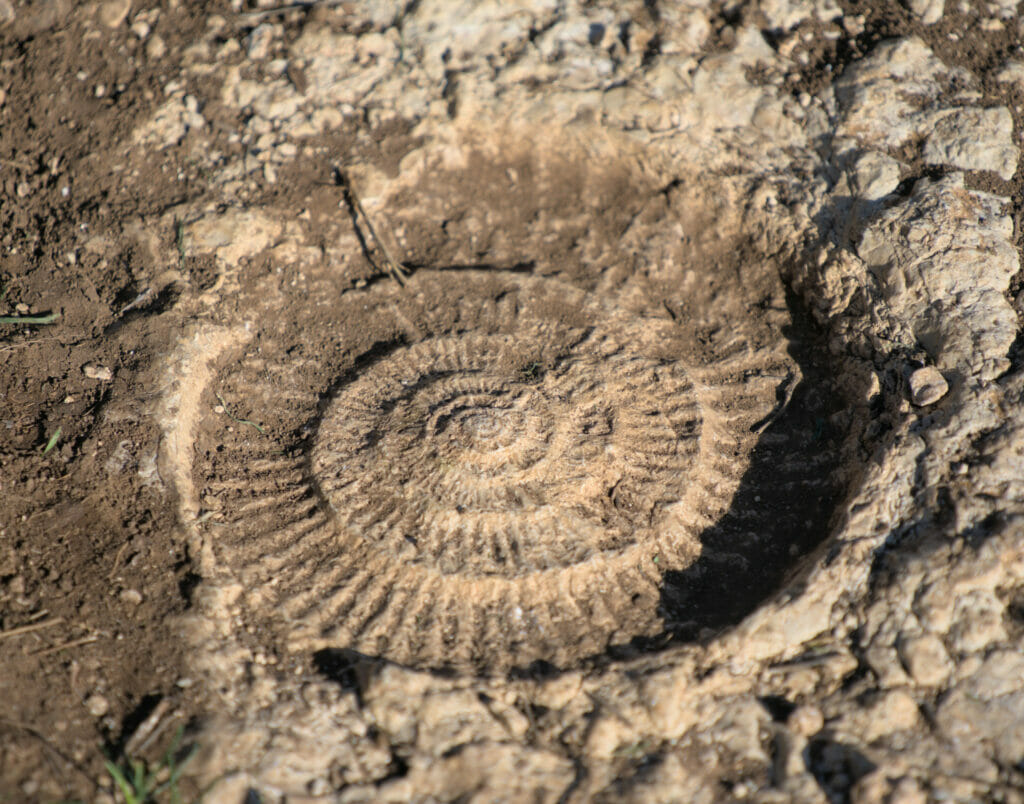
(485, 468)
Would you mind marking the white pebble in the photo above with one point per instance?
(97, 705)
(94, 372)
(927, 386)
(131, 596)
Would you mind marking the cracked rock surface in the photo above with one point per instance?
(800, 217)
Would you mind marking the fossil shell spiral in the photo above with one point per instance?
(484, 469)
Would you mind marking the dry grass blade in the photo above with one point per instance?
(25, 629)
(47, 318)
(394, 267)
(73, 644)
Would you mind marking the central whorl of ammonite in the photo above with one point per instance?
(454, 455)
(481, 469)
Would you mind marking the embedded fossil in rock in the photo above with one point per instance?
(505, 474)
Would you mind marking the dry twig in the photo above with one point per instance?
(25, 629)
(72, 644)
(394, 267)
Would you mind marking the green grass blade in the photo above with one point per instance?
(122, 783)
(53, 441)
(49, 318)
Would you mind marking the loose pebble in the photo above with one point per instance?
(95, 372)
(927, 386)
(97, 705)
(113, 12)
(806, 720)
(131, 596)
(925, 658)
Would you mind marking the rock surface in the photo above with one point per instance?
(923, 276)
(838, 258)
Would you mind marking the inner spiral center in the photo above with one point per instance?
(474, 426)
(438, 453)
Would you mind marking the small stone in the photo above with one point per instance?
(907, 791)
(260, 42)
(156, 48)
(141, 29)
(24, 189)
(94, 372)
(6, 12)
(927, 386)
(872, 788)
(21, 308)
(928, 11)
(974, 139)
(875, 175)
(805, 720)
(113, 12)
(894, 711)
(926, 659)
(558, 692)
(131, 596)
(1012, 72)
(318, 787)
(97, 705)
(854, 25)
(607, 735)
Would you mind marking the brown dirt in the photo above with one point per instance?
(94, 568)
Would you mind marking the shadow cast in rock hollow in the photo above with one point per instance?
(780, 512)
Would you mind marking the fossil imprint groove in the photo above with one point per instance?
(505, 475)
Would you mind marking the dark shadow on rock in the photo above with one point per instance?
(836, 766)
(780, 512)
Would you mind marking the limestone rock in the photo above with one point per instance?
(927, 386)
(928, 11)
(921, 268)
(875, 93)
(926, 659)
(875, 175)
(1012, 72)
(113, 12)
(974, 139)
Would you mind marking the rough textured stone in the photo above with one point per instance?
(927, 386)
(875, 175)
(903, 603)
(113, 12)
(974, 139)
(926, 659)
(929, 11)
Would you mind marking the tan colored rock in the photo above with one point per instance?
(927, 386)
(607, 735)
(94, 372)
(974, 139)
(806, 720)
(928, 11)
(895, 711)
(925, 658)
(907, 791)
(97, 705)
(557, 692)
(113, 12)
